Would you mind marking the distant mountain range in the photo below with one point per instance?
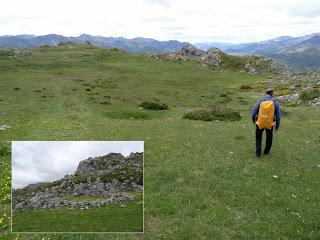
(302, 53)
(130, 45)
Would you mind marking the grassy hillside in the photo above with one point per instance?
(202, 180)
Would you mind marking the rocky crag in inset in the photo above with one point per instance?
(100, 181)
(216, 59)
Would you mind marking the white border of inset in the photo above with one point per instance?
(85, 232)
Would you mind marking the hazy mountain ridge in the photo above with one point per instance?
(130, 45)
(302, 53)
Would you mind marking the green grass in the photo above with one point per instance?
(5, 186)
(85, 198)
(129, 114)
(202, 180)
(122, 217)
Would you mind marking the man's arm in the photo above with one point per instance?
(255, 111)
(278, 115)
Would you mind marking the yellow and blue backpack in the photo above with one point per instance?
(266, 118)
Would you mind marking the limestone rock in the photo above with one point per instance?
(107, 177)
(289, 98)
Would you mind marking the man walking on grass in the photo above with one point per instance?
(266, 115)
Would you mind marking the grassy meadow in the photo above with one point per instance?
(122, 217)
(201, 178)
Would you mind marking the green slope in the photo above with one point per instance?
(202, 180)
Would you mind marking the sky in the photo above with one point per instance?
(47, 161)
(184, 20)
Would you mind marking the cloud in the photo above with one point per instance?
(295, 8)
(163, 3)
(240, 21)
(45, 161)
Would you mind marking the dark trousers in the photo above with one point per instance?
(259, 139)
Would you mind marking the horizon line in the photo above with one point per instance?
(182, 41)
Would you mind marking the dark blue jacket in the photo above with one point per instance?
(276, 106)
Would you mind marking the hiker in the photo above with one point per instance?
(266, 115)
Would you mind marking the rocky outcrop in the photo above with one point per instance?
(256, 64)
(4, 127)
(106, 178)
(211, 57)
(297, 88)
(294, 98)
(216, 59)
(49, 200)
(315, 102)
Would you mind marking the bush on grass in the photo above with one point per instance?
(213, 113)
(245, 87)
(154, 106)
(105, 103)
(309, 95)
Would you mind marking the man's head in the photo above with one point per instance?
(269, 91)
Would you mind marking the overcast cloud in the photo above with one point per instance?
(46, 161)
(193, 21)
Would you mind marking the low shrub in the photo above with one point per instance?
(107, 177)
(309, 95)
(79, 179)
(245, 87)
(213, 113)
(4, 151)
(105, 103)
(154, 106)
(16, 88)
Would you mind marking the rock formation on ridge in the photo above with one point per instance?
(99, 181)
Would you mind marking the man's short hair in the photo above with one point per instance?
(269, 91)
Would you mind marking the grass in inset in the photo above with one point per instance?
(122, 217)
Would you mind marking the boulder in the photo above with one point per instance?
(289, 98)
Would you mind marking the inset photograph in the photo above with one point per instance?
(77, 186)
